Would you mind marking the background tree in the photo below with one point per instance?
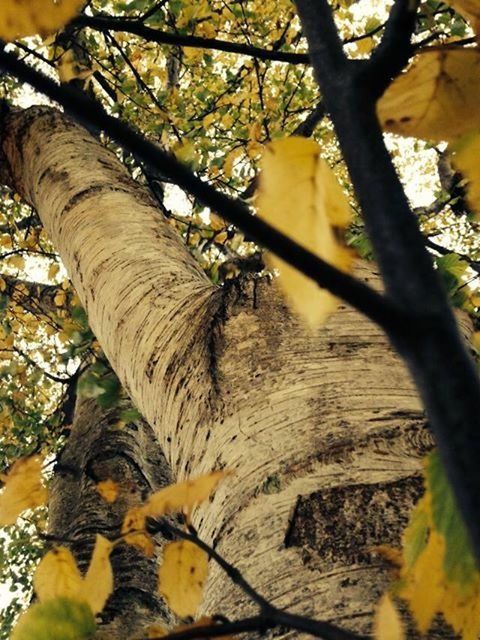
(227, 377)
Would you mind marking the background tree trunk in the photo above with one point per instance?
(98, 449)
(323, 431)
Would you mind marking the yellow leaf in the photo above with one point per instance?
(3, 285)
(23, 489)
(387, 624)
(476, 340)
(98, 582)
(423, 586)
(109, 490)
(57, 576)
(221, 237)
(436, 98)
(364, 46)
(183, 496)
(216, 223)
(133, 531)
(20, 18)
(300, 196)
(69, 68)
(465, 159)
(16, 261)
(185, 152)
(192, 54)
(60, 298)
(182, 577)
(134, 520)
(208, 119)
(6, 241)
(142, 541)
(53, 271)
(462, 611)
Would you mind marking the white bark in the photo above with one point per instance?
(230, 379)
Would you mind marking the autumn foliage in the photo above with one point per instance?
(301, 194)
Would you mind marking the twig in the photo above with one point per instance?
(107, 24)
(162, 526)
(255, 623)
(270, 616)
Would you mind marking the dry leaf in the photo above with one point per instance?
(300, 196)
(182, 576)
(133, 531)
(23, 489)
(423, 587)
(98, 582)
(465, 154)
(437, 97)
(183, 496)
(387, 624)
(109, 490)
(20, 18)
(57, 576)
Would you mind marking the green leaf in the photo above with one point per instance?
(57, 619)
(130, 415)
(453, 264)
(415, 535)
(459, 562)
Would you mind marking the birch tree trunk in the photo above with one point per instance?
(323, 432)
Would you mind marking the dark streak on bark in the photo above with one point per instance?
(78, 198)
(339, 526)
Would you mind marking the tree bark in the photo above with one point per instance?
(97, 450)
(323, 431)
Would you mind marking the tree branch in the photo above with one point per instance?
(375, 306)
(444, 251)
(255, 623)
(395, 48)
(432, 347)
(164, 527)
(270, 616)
(107, 24)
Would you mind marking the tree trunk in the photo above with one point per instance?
(96, 450)
(323, 432)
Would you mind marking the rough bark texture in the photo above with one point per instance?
(97, 449)
(324, 432)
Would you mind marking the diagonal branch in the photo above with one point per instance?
(107, 24)
(434, 350)
(395, 48)
(375, 306)
(269, 617)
